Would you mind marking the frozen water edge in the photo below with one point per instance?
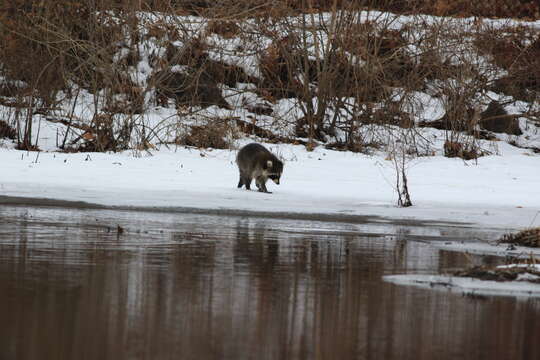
(493, 249)
(499, 192)
(468, 286)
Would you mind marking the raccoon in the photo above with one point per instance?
(256, 162)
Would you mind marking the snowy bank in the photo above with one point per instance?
(499, 192)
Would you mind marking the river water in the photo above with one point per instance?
(73, 285)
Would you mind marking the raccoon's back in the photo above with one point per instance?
(252, 154)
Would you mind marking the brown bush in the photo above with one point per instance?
(212, 135)
(516, 50)
(103, 134)
(7, 131)
(528, 9)
(496, 119)
(498, 274)
(528, 237)
(194, 55)
(461, 150)
(226, 29)
(279, 65)
(187, 89)
(69, 42)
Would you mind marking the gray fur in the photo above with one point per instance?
(256, 162)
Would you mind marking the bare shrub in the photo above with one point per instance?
(7, 131)
(511, 273)
(224, 28)
(336, 67)
(217, 133)
(516, 49)
(401, 151)
(278, 66)
(465, 151)
(495, 118)
(188, 89)
(343, 74)
(528, 237)
(498, 8)
(71, 43)
(104, 134)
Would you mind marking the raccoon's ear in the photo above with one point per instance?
(269, 164)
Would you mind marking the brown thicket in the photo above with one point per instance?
(528, 237)
(50, 45)
(344, 74)
(529, 9)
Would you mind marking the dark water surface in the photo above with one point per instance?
(192, 286)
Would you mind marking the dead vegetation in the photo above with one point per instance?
(528, 238)
(527, 9)
(465, 151)
(187, 89)
(527, 267)
(515, 49)
(6, 131)
(218, 136)
(341, 72)
(500, 273)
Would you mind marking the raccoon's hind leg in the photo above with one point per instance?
(244, 180)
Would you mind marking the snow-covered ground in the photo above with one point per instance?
(499, 191)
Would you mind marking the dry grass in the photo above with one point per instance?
(528, 9)
(528, 237)
(343, 85)
(220, 134)
(226, 29)
(515, 49)
(465, 151)
(498, 274)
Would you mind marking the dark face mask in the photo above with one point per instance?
(274, 178)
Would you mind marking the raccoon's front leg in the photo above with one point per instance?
(261, 184)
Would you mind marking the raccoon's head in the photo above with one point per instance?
(273, 169)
